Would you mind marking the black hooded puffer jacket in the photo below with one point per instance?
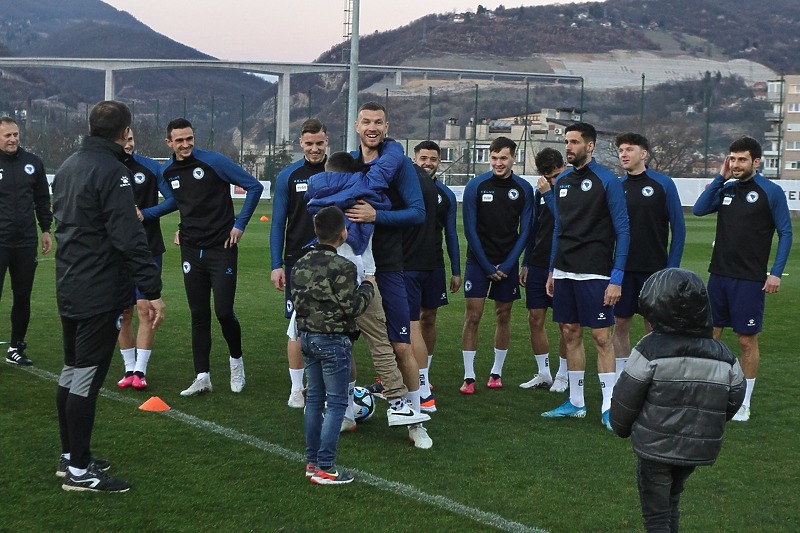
(679, 386)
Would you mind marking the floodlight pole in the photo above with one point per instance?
(352, 93)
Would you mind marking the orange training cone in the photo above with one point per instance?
(264, 218)
(155, 405)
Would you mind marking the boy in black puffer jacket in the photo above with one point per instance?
(678, 389)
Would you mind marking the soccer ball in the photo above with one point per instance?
(364, 404)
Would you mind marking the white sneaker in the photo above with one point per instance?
(348, 424)
(538, 382)
(296, 399)
(560, 384)
(742, 415)
(404, 415)
(419, 436)
(237, 376)
(198, 386)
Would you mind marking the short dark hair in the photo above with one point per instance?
(177, 124)
(427, 145)
(548, 160)
(312, 125)
(503, 142)
(109, 119)
(328, 224)
(340, 162)
(586, 130)
(747, 144)
(373, 106)
(7, 120)
(632, 138)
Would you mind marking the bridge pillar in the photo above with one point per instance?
(109, 92)
(398, 78)
(283, 103)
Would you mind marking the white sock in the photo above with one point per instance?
(469, 363)
(748, 391)
(562, 367)
(129, 358)
(499, 359)
(607, 382)
(543, 362)
(142, 357)
(204, 375)
(413, 397)
(296, 375)
(430, 359)
(424, 389)
(236, 362)
(620, 362)
(350, 411)
(576, 387)
(66, 456)
(77, 471)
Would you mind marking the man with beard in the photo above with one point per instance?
(750, 209)
(590, 247)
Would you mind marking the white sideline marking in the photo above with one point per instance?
(482, 517)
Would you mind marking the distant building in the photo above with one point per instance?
(782, 142)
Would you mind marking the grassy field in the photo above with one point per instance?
(225, 462)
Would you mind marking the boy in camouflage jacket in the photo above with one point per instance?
(327, 299)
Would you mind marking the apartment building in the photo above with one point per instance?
(782, 143)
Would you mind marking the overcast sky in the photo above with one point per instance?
(283, 30)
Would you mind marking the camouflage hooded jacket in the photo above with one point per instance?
(325, 292)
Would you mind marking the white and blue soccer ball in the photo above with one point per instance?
(364, 404)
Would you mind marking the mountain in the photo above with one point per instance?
(535, 39)
(91, 28)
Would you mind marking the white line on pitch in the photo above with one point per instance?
(489, 519)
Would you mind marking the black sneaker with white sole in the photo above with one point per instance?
(94, 480)
(99, 464)
(17, 355)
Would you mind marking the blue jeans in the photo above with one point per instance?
(660, 487)
(327, 361)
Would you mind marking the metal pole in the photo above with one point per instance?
(241, 137)
(386, 100)
(430, 105)
(641, 109)
(708, 121)
(581, 109)
(780, 130)
(527, 133)
(352, 93)
(475, 132)
(211, 143)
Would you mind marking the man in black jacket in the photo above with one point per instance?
(101, 245)
(23, 193)
(675, 394)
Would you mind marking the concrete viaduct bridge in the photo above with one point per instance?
(282, 71)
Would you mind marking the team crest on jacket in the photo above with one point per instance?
(752, 197)
(139, 178)
(513, 194)
(198, 173)
(29, 169)
(586, 185)
(186, 267)
(647, 191)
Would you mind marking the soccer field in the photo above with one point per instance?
(227, 462)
